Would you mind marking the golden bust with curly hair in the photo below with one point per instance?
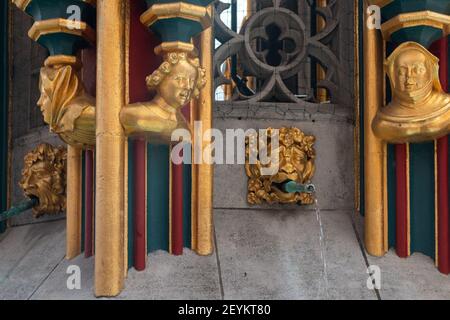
(177, 80)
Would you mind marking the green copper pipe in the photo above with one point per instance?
(293, 187)
(18, 209)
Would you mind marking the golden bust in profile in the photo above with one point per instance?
(420, 109)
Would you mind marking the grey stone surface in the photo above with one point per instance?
(187, 277)
(408, 279)
(27, 59)
(334, 174)
(27, 125)
(414, 278)
(261, 254)
(21, 146)
(28, 255)
(166, 277)
(277, 255)
(55, 287)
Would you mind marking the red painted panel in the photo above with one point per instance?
(177, 209)
(142, 59)
(401, 201)
(443, 205)
(142, 62)
(139, 205)
(440, 49)
(89, 204)
(89, 71)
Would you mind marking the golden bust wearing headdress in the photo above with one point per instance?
(420, 109)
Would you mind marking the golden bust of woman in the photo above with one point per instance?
(177, 80)
(419, 110)
(66, 107)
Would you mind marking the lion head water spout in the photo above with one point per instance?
(295, 161)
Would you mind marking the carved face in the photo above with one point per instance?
(44, 102)
(44, 177)
(296, 163)
(59, 85)
(177, 87)
(292, 164)
(412, 71)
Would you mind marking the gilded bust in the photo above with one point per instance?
(419, 110)
(177, 80)
(66, 107)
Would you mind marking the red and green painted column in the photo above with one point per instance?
(418, 173)
(159, 191)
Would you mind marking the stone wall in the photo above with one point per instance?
(283, 99)
(334, 177)
(27, 126)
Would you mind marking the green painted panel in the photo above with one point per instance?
(187, 201)
(421, 34)
(176, 29)
(403, 6)
(392, 194)
(51, 9)
(157, 197)
(422, 198)
(63, 43)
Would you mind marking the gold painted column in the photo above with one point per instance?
(110, 143)
(322, 94)
(203, 173)
(73, 215)
(374, 150)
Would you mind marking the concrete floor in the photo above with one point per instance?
(260, 255)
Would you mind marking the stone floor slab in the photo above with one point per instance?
(408, 279)
(276, 255)
(261, 254)
(187, 277)
(28, 254)
(166, 277)
(415, 278)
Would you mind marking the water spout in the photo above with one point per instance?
(293, 187)
(20, 208)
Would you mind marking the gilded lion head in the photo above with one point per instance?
(296, 156)
(44, 178)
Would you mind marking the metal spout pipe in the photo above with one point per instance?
(293, 187)
(18, 209)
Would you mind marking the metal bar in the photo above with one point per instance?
(18, 209)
